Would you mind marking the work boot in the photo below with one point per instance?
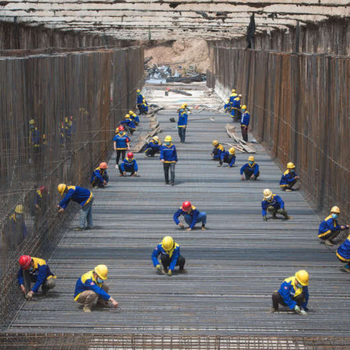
(203, 228)
(44, 290)
(86, 308)
(329, 243)
(79, 229)
(272, 310)
(274, 216)
(347, 268)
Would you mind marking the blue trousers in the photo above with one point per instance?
(202, 217)
(86, 215)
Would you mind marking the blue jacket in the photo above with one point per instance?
(219, 149)
(236, 103)
(276, 201)
(232, 98)
(327, 226)
(174, 254)
(88, 282)
(183, 117)
(343, 251)
(168, 153)
(129, 123)
(253, 168)
(227, 157)
(287, 178)
(194, 215)
(288, 291)
(135, 118)
(245, 118)
(154, 145)
(129, 165)
(40, 274)
(121, 140)
(100, 175)
(139, 99)
(77, 194)
(34, 137)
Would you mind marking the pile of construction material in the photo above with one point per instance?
(240, 145)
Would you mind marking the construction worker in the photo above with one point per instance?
(141, 103)
(168, 156)
(68, 128)
(228, 157)
(229, 102)
(135, 118)
(217, 150)
(121, 143)
(37, 271)
(99, 177)
(153, 147)
(289, 178)
(182, 123)
(17, 229)
(91, 289)
(236, 108)
(273, 204)
(186, 108)
(250, 170)
(129, 165)
(293, 293)
(245, 118)
(170, 257)
(128, 124)
(329, 228)
(82, 196)
(192, 216)
(343, 254)
(34, 135)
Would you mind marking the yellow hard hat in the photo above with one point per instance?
(117, 129)
(19, 209)
(335, 210)
(244, 107)
(131, 112)
(31, 122)
(185, 104)
(233, 90)
(290, 165)
(267, 194)
(102, 271)
(167, 243)
(251, 159)
(168, 138)
(156, 138)
(138, 90)
(61, 188)
(232, 150)
(303, 277)
(215, 143)
(127, 116)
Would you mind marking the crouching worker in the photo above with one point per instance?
(37, 271)
(192, 216)
(153, 147)
(293, 293)
(343, 254)
(228, 157)
(91, 289)
(135, 118)
(99, 177)
(170, 257)
(289, 178)
(129, 165)
(329, 228)
(128, 124)
(250, 170)
(273, 204)
(217, 150)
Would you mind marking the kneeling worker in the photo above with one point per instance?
(293, 293)
(289, 178)
(250, 170)
(99, 177)
(273, 204)
(129, 165)
(153, 147)
(217, 150)
(228, 157)
(170, 257)
(91, 289)
(37, 271)
(192, 216)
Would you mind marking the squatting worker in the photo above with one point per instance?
(228, 157)
(170, 257)
(121, 143)
(343, 254)
(91, 289)
(293, 293)
(83, 197)
(168, 156)
(218, 150)
(192, 216)
(153, 147)
(250, 170)
(129, 165)
(99, 177)
(37, 271)
(273, 204)
(289, 178)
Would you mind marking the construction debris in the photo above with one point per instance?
(241, 146)
(196, 78)
(178, 92)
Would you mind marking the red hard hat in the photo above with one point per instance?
(130, 155)
(121, 128)
(103, 165)
(25, 261)
(186, 206)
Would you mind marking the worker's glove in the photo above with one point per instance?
(303, 312)
(170, 273)
(159, 269)
(181, 225)
(265, 218)
(297, 309)
(29, 295)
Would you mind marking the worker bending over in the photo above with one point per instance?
(250, 170)
(245, 119)
(217, 150)
(182, 123)
(170, 257)
(135, 118)
(236, 108)
(192, 216)
(168, 156)
(329, 228)
(343, 254)
(91, 289)
(228, 157)
(37, 271)
(273, 204)
(229, 103)
(99, 177)
(121, 143)
(153, 147)
(129, 165)
(293, 293)
(289, 178)
(128, 124)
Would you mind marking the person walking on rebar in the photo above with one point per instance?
(329, 228)
(99, 177)
(343, 253)
(121, 143)
(37, 271)
(250, 170)
(217, 150)
(83, 197)
(153, 147)
(182, 123)
(168, 156)
(91, 289)
(245, 119)
(293, 293)
(129, 165)
(273, 204)
(170, 257)
(289, 178)
(192, 216)
(228, 157)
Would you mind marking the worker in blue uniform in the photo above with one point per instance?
(228, 157)
(83, 197)
(329, 228)
(217, 150)
(245, 119)
(343, 254)
(170, 257)
(168, 156)
(37, 271)
(182, 124)
(192, 216)
(273, 204)
(229, 102)
(135, 118)
(16, 228)
(129, 165)
(250, 170)
(141, 103)
(121, 143)
(293, 293)
(289, 178)
(99, 177)
(153, 147)
(236, 108)
(91, 289)
(128, 124)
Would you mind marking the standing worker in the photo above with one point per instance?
(192, 216)
(170, 257)
(37, 271)
(168, 156)
(273, 204)
(129, 165)
(250, 170)
(293, 293)
(121, 143)
(245, 119)
(153, 147)
(141, 103)
(329, 228)
(99, 177)
(343, 254)
(182, 123)
(135, 118)
(91, 289)
(289, 178)
(82, 196)
(217, 150)
(228, 157)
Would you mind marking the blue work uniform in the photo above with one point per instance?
(129, 123)
(227, 157)
(192, 218)
(276, 202)
(34, 138)
(232, 98)
(217, 151)
(98, 177)
(245, 119)
(236, 104)
(153, 147)
(289, 291)
(327, 227)
(129, 165)
(253, 169)
(183, 119)
(168, 153)
(121, 140)
(139, 99)
(343, 251)
(173, 254)
(135, 118)
(88, 282)
(288, 178)
(77, 194)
